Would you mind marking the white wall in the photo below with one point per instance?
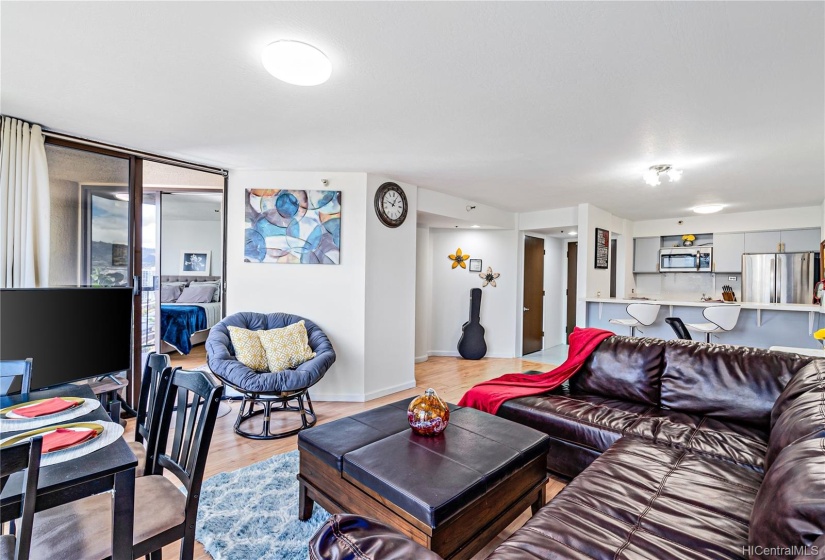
(390, 305)
(451, 206)
(786, 218)
(451, 290)
(423, 293)
(554, 286)
(188, 235)
(591, 282)
(541, 219)
(333, 296)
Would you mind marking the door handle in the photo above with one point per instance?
(527, 309)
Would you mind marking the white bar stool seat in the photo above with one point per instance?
(643, 314)
(722, 318)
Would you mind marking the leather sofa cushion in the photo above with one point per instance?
(790, 507)
(623, 368)
(349, 537)
(726, 441)
(641, 500)
(736, 384)
(809, 378)
(590, 421)
(432, 478)
(330, 442)
(803, 419)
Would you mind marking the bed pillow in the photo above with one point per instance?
(217, 295)
(169, 293)
(197, 294)
(248, 349)
(286, 348)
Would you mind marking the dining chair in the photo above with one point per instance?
(11, 370)
(21, 457)
(163, 513)
(143, 445)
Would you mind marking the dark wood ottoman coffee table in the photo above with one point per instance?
(452, 493)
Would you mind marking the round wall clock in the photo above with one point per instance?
(391, 205)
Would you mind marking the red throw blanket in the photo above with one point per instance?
(490, 395)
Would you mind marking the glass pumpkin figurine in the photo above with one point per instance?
(428, 415)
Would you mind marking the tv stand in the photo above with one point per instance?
(112, 377)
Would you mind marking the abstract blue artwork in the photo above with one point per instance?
(289, 226)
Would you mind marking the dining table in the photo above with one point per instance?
(109, 468)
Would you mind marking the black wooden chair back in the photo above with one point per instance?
(679, 328)
(10, 370)
(23, 457)
(149, 384)
(193, 397)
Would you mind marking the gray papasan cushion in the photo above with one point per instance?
(221, 354)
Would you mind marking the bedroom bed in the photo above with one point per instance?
(183, 325)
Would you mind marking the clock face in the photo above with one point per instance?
(391, 204)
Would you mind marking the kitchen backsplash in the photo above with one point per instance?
(686, 286)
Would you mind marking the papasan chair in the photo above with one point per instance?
(266, 389)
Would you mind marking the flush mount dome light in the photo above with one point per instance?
(708, 208)
(573, 233)
(296, 63)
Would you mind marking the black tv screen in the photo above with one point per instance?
(70, 333)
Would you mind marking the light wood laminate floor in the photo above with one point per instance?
(450, 377)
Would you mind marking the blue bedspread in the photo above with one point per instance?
(179, 322)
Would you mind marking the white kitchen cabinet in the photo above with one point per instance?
(646, 254)
(762, 241)
(727, 251)
(798, 240)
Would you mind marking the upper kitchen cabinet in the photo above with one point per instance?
(762, 242)
(727, 251)
(646, 254)
(798, 240)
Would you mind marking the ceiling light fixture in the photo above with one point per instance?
(651, 176)
(475, 226)
(708, 208)
(122, 196)
(573, 233)
(296, 63)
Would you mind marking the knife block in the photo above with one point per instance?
(729, 296)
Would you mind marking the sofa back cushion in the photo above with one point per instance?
(811, 376)
(803, 419)
(789, 510)
(623, 368)
(737, 384)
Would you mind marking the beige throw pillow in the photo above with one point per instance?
(248, 349)
(286, 348)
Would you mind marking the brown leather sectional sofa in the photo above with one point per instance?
(679, 449)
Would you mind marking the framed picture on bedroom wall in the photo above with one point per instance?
(195, 263)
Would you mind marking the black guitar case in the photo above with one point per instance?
(471, 345)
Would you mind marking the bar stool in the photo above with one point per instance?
(722, 319)
(643, 314)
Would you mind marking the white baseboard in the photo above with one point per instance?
(419, 359)
(454, 354)
(337, 397)
(390, 390)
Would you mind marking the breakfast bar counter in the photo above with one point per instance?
(761, 325)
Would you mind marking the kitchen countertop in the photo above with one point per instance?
(806, 307)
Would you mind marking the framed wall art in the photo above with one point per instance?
(195, 263)
(602, 248)
(475, 265)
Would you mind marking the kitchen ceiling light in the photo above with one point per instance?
(708, 208)
(651, 176)
(474, 226)
(296, 63)
(573, 233)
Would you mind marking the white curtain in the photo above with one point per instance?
(24, 206)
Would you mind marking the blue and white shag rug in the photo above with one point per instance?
(252, 513)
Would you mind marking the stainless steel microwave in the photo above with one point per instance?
(686, 259)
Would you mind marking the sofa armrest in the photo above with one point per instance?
(350, 537)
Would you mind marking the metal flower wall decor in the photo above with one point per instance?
(459, 259)
(489, 277)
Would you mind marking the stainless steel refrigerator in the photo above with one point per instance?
(779, 277)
